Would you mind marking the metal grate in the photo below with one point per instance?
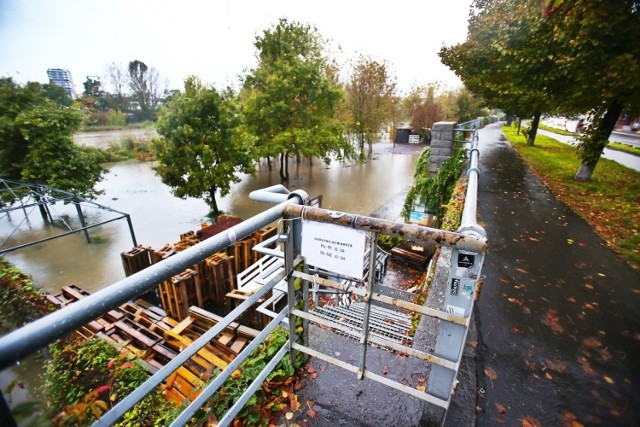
(383, 323)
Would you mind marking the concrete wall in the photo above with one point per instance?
(442, 136)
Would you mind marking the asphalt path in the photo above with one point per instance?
(558, 317)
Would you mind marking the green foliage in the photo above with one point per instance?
(290, 99)
(20, 301)
(389, 242)
(369, 98)
(36, 142)
(264, 403)
(582, 57)
(83, 380)
(435, 190)
(422, 165)
(202, 146)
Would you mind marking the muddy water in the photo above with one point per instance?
(102, 139)
(160, 218)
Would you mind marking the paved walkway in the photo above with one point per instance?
(559, 313)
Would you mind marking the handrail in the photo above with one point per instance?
(468, 222)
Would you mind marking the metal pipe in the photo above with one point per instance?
(35, 335)
(441, 237)
(367, 306)
(468, 222)
(275, 194)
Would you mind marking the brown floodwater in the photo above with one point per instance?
(158, 217)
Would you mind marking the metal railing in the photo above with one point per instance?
(290, 208)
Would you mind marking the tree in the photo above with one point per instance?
(202, 146)
(423, 108)
(118, 79)
(93, 97)
(290, 99)
(138, 83)
(581, 56)
(369, 96)
(36, 140)
(598, 52)
(506, 58)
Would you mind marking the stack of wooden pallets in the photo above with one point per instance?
(156, 338)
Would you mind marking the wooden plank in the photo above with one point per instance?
(238, 345)
(213, 319)
(145, 337)
(175, 339)
(226, 338)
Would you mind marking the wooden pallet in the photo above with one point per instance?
(163, 252)
(219, 277)
(181, 292)
(137, 259)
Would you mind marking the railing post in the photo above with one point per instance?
(367, 305)
(287, 237)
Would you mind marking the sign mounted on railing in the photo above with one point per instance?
(334, 248)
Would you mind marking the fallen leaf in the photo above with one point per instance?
(293, 401)
(310, 404)
(311, 413)
(236, 374)
(500, 407)
(491, 373)
(385, 369)
(552, 320)
(288, 415)
(421, 388)
(521, 270)
(529, 421)
(609, 380)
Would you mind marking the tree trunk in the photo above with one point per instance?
(213, 204)
(282, 177)
(519, 123)
(534, 128)
(286, 166)
(370, 149)
(269, 163)
(593, 143)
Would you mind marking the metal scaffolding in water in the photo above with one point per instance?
(16, 196)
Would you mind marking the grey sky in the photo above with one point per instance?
(214, 39)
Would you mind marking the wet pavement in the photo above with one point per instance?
(558, 341)
(558, 316)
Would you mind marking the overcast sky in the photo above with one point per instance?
(214, 39)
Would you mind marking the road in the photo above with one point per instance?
(625, 138)
(626, 159)
(559, 312)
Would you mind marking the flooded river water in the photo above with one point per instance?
(159, 218)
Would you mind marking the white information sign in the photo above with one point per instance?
(334, 248)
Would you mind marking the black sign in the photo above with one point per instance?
(465, 260)
(455, 286)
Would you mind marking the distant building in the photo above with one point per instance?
(63, 79)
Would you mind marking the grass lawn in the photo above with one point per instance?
(610, 202)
